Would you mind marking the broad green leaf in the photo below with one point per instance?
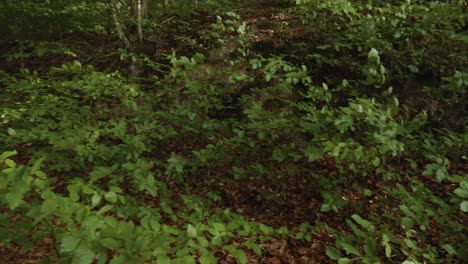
(207, 258)
(49, 206)
(163, 259)
(253, 246)
(350, 249)
(69, 243)
(36, 166)
(370, 247)
(406, 221)
(464, 206)
(203, 242)
(96, 199)
(14, 197)
(191, 231)
(364, 223)
(7, 154)
(239, 255)
(110, 243)
(105, 209)
(344, 261)
(266, 229)
(83, 253)
(121, 259)
(332, 253)
(111, 197)
(449, 249)
(463, 193)
(11, 131)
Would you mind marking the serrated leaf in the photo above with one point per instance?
(14, 197)
(332, 253)
(49, 206)
(84, 253)
(69, 243)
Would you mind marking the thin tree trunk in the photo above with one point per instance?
(118, 25)
(139, 7)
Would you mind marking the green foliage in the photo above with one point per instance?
(133, 170)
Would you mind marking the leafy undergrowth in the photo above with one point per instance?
(272, 132)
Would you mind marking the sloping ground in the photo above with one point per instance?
(295, 201)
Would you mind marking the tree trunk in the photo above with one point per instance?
(118, 25)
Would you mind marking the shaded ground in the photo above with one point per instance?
(260, 199)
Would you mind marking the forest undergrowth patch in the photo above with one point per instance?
(234, 132)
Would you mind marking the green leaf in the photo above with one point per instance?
(350, 249)
(69, 243)
(163, 259)
(325, 208)
(95, 199)
(464, 206)
(84, 253)
(191, 231)
(207, 258)
(110, 243)
(332, 253)
(111, 197)
(239, 255)
(121, 259)
(11, 131)
(370, 247)
(313, 153)
(449, 249)
(49, 206)
(253, 246)
(266, 229)
(14, 197)
(463, 193)
(364, 223)
(344, 261)
(7, 154)
(406, 221)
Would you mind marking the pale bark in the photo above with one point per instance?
(118, 25)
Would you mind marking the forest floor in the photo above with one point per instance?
(257, 199)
